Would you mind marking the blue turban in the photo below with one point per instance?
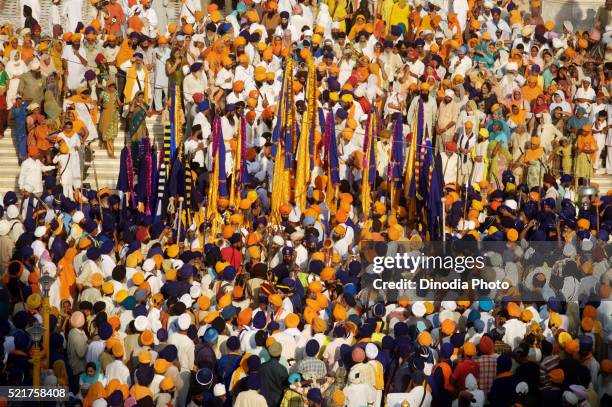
(312, 347)
(203, 106)
(447, 350)
(259, 320)
(211, 335)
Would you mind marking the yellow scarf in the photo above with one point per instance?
(130, 82)
(125, 53)
(533, 154)
(379, 380)
(93, 108)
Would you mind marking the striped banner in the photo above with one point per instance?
(188, 186)
(369, 162)
(177, 119)
(167, 144)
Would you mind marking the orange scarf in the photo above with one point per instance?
(587, 142)
(518, 118)
(95, 392)
(446, 372)
(125, 53)
(139, 392)
(531, 93)
(93, 108)
(27, 53)
(67, 276)
(533, 154)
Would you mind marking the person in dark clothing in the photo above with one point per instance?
(273, 375)
(503, 388)
(523, 396)
(570, 367)
(204, 352)
(528, 371)
(440, 380)
(30, 21)
(551, 396)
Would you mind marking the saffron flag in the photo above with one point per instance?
(369, 163)
(282, 150)
(306, 143)
(414, 151)
(218, 183)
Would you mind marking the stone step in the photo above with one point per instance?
(9, 10)
(106, 168)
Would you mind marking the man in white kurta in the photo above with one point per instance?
(430, 110)
(186, 350)
(75, 59)
(30, 175)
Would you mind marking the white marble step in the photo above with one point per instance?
(9, 10)
(107, 168)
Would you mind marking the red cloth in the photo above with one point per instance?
(232, 256)
(463, 369)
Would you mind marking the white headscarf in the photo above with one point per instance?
(372, 90)
(564, 105)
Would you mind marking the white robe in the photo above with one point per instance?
(74, 165)
(73, 12)
(480, 167)
(160, 7)
(450, 166)
(13, 69)
(66, 175)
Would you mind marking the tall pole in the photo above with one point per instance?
(36, 332)
(444, 219)
(46, 336)
(36, 363)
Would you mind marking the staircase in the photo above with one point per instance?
(107, 168)
(603, 183)
(9, 12)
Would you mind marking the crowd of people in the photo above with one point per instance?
(229, 266)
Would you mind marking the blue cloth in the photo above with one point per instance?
(21, 134)
(501, 136)
(226, 367)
